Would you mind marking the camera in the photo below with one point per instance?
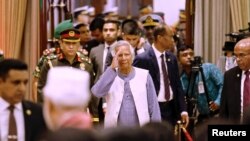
(196, 62)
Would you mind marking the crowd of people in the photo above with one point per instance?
(109, 79)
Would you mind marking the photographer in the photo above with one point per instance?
(205, 90)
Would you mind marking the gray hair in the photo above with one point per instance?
(122, 43)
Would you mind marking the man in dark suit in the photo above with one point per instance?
(174, 107)
(20, 119)
(237, 85)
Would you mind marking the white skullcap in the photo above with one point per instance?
(111, 10)
(80, 9)
(67, 86)
(91, 10)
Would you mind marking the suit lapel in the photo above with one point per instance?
(169, 63)
(171, 69)
(154, 63)
(238, 80)
(27, 118)
(100, 55)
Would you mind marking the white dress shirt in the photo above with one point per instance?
(161, 95)
(243, 77)
(4, 120)
(105, 52)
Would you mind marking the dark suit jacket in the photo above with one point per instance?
(148, 60)
(33, 121)
(231, 95)
(91, 44)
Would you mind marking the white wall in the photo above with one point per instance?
(171, 9)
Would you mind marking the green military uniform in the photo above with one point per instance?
(52, 55)
(82, 62)
(64, 25)
(44, 58)
(57, 58)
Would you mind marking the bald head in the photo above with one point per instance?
(163, 37)
(244, 43)
(242, 52)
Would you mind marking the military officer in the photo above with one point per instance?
(69, 45)
(52, 53)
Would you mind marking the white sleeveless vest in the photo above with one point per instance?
(139, 92)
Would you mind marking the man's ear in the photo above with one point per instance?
(51, 107)
(158, 37)
(119, 31)
(60, 43)
(122, 35)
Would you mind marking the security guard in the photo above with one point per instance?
(51, 53)
(68, 56)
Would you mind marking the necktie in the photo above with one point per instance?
(108, 52)
(12, 136)
(135, 51)
(165, 76)
(107, 61)
(246, 91)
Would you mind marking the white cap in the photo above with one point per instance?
(111, 10)
(91, 10)
(67, 86)
(83, 8)
(151, 20)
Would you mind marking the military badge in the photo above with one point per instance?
(37, 69)
(28, 112)
(89, 61)
(71, 33)
(149, 20)
(82, 66)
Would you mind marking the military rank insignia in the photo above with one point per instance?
(71, 33)
(28, 112)
(82, 66)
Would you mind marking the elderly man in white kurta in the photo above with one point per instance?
(129, 91)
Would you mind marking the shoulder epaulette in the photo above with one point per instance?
(83, 57)
(51, 57)
(86, 59)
